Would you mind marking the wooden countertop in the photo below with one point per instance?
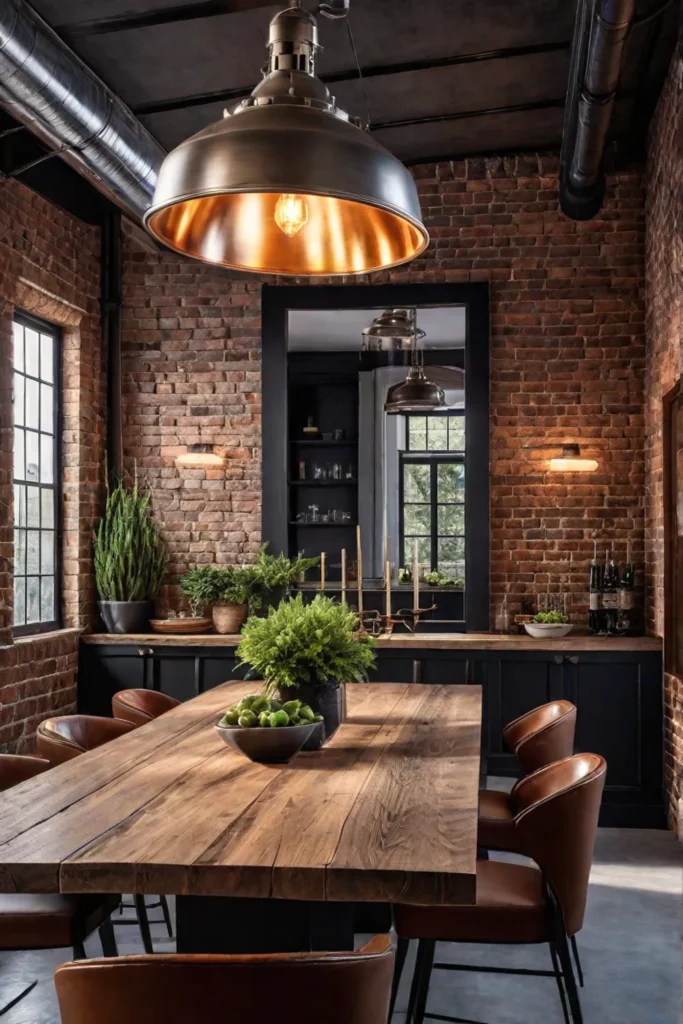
(387, 810)
(428, 641)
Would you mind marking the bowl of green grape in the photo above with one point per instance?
(267, 730)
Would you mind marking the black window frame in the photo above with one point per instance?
(448, 415)
(45, 327)
(432, 459)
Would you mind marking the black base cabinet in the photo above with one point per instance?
(618, 695)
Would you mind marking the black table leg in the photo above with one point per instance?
(226, 924)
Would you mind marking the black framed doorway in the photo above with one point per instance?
(277, 302)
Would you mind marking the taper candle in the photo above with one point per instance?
(416, 577)
(387, 582)
(343, 576)
(322, 571)
(359, 551)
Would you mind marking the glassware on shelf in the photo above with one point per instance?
(301, 469)
(300, 517)
(339, 434)
(312, 516)
(350, 472)
(502, 617)
(319, 472)
(337, 471)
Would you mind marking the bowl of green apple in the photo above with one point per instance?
(267, 730)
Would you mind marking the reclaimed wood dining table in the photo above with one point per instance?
(263, 857)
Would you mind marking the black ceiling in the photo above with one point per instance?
(444, 78)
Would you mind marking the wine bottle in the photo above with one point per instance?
(626, 620)
(595, 611)
(610, 596)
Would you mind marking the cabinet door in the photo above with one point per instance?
(446, 667)
(515, 682)
(394, 667)
(618, 696)
(104, 669)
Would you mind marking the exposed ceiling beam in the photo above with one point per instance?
(162, 16)
(516, 108)
(381, 70)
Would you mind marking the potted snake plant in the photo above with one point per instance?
(307, 652)
(130, 560)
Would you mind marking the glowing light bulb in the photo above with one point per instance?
(291, 213)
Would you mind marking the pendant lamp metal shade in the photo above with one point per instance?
(414, 394)
(288, 184)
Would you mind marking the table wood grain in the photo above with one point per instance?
(385, 811)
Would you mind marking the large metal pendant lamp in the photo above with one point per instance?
(288, 184)
(416, 393)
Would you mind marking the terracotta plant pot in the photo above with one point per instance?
(229, 618)
(328, 700)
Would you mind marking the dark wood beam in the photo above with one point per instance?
(460, 115)
(377, 71)
(162, 16)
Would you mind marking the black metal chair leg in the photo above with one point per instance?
(143, 921)
(414, 984)
(577, 959)
(401, 953)
(17, 999)
(569, 979)
(107, 938)
(167, 915)
(426, 962)
(79, 951)
(560, 983)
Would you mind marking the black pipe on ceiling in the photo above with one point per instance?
(600, 34)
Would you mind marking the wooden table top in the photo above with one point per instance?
(386, 811)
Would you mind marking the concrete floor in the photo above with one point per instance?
(630, 948)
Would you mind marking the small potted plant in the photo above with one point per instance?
(306, 652)
(279, 573)
(130, 560)
(232, 591)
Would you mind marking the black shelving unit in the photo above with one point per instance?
(327, 390)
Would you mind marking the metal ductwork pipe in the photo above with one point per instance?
(600, 35)
(47, 87)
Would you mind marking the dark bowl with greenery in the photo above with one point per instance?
(307, 652)
(265, 729)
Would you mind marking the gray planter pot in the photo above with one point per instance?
(328, 700)
(126, 616)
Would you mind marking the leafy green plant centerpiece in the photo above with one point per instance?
(130, 560)
(306, 651)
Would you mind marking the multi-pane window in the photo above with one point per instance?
(432, 493)
(36, 475)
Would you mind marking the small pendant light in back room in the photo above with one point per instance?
(416, 393)
(288, 184)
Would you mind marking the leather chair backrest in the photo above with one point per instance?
(557, 810)
(287, 988)
(61, 739)
(15, 768)
(543, 735)
(141, 706)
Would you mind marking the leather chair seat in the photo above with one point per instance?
(28, 921)
(496, 824)
(141, 706)
(509, 908)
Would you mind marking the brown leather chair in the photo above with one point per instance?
(141, 706)
(61, 739)
(537, 738)
(290, 988)
(29, 921)
(557, 819)
(16, 768)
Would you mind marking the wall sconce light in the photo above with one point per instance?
(572, 462)
(199, 456)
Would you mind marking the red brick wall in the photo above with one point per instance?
(664, 275)
(568, 355)
(49, 266)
